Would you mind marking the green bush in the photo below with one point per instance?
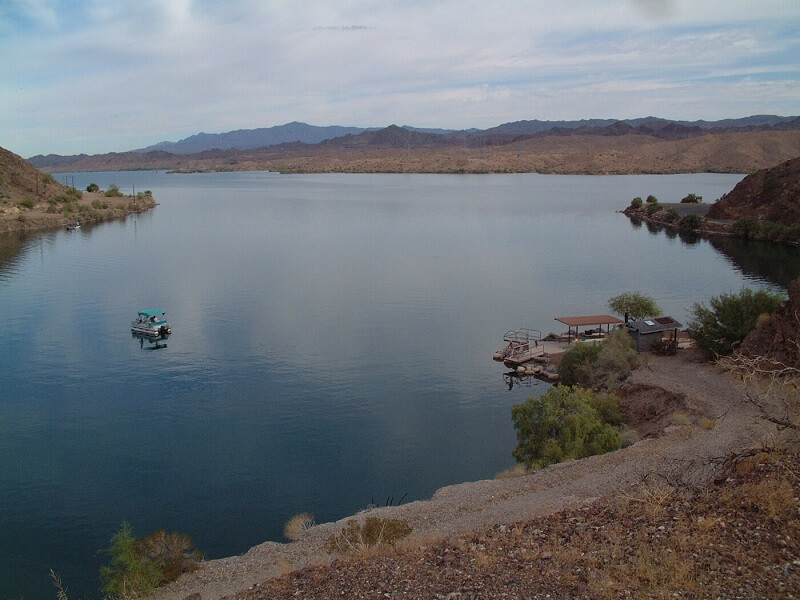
(671, 215)
(653, 208)
(562, 425)
(720, 327)
(615, 362)
(47, 179)
(651, 199)
(636, 202)
(138, 566)
(691, 222)
(92, 187)
(100, 204)
(603, 365)
(576, 364)
(129, 574)
(74, 193)
(27, 203)
(113, 191)
(691, 199)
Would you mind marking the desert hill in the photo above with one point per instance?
(20, 180)
(771, 194)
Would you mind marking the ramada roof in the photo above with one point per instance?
(585, 321)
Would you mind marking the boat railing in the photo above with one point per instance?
(523, 334)
(520, 341)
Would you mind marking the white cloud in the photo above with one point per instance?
(111, 75)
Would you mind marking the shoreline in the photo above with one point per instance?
(698, 393)
(90, 209)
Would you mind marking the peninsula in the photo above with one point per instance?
(31, 200)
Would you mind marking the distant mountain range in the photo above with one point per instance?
(247, 139)
(338, 147)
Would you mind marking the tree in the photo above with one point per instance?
(691, 199)
(634, 304)
(563, 424)
(721, 326)
(636, 202)
(92, 187)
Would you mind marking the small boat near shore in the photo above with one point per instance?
(151, 322)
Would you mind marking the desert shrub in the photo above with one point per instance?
(562, 425)
(92, 187)
(651, 199)
(599, 366)
(690, 221)
(100, 204)
(671, 215)
(720, 327)
(68, 208)
(27, 203)
(375, 533)
(636, 202)
(22, 218)
(746, 228)
(608, 408)
(138, 566)
(296, 527)
(47, 179)
(653, 208)
(691, 199)
(575, 366)
(664, 347)
(635, 304)
(172, 553)
(113, 191)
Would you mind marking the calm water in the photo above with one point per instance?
(332, 346)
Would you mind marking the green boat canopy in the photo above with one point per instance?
(151, 312)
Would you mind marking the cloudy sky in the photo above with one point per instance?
(111, 75)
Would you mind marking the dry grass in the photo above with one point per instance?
(517, 470)
(297, 526)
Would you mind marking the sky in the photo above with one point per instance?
(97, 76)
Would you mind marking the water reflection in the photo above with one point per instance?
(153, 342)
(513, 379)
(775, 262)
(690, 238)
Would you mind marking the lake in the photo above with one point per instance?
(331, 349)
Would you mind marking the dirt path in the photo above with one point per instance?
(708, 418)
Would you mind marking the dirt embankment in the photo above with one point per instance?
(691, 415)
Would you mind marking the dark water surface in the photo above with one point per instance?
(331, 347)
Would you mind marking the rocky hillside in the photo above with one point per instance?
(19, 180)
(777, 338)
(771, 194)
